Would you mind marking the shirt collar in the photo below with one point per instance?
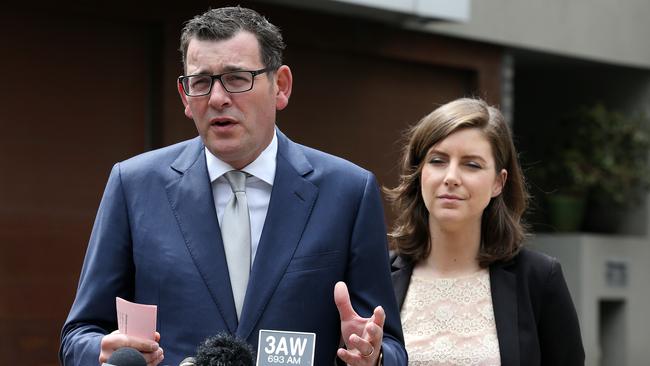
(262, 168)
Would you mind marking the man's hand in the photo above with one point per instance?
(362, 336)
(150, 350)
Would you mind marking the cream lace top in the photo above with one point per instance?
(450, 321)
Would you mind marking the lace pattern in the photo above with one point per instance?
(450, 321)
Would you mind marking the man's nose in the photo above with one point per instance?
(219, 96)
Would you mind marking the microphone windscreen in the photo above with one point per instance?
(224, 350)
(127, 356)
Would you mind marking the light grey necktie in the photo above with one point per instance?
(236, 235)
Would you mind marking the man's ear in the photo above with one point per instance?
(188, 111)
(499, 183)
(283, 81)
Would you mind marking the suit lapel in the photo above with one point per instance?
(292, 200)
(503, 285)
(190, 197)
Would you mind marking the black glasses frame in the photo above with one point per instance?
(181, 80)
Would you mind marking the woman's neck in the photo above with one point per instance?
(453, 252)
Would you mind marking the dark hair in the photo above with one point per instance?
(502, 231)
(224, 23)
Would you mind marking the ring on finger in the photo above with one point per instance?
(372, 350)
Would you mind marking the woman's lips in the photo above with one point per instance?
(450, 197)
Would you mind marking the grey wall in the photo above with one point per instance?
(612, 309)
(601, 30)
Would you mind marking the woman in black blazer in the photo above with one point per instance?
(469, 293)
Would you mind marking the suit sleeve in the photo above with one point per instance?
(107, 272)
(368, 276)
(559, 330)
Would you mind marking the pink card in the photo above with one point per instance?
(137, 320)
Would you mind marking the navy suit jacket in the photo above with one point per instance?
(535, 318)
(156, 240)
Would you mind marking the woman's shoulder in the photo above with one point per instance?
(534, 257)
(533, 264)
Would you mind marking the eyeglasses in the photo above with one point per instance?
(232, 82)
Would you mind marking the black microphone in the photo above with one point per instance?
(126, 356)
(224, 350)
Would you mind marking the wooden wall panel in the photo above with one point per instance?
(72, 105)
(357, 106)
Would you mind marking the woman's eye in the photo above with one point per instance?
(436, 161)
(474, 165)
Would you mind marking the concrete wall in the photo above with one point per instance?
(607, 277)
(600, 30)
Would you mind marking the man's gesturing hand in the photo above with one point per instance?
(362, 336)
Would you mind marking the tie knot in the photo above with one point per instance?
(237, 180)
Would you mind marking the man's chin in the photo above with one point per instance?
(232, 155)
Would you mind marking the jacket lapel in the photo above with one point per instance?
(503, 285)
(292, 200)
(190, 197)
(401, 271)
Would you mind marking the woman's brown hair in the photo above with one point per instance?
(502, 231)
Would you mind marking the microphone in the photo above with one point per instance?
(126, 356)
(188, 361)
(224, 350)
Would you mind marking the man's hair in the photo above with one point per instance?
(502, 231)
(224, 23)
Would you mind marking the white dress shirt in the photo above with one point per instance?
(258, 188)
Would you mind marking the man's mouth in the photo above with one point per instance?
(222, 122)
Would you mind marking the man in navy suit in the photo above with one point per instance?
(319, 259)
